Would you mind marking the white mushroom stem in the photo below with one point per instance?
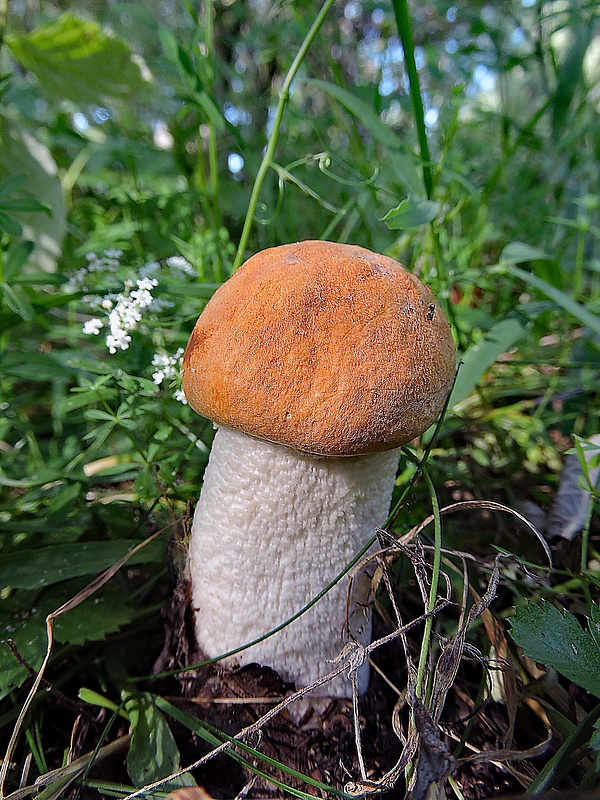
(272, 528)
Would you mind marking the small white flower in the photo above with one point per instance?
(181, 264)
(107, 303)
(113, 252)
(179, 395)
(147, 284)
(118, 340)
(150, 268)
(169, 367)
(93, 326)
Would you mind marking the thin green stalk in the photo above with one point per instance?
(3, 19)
(268, 157)
(435, 576)
(404, 24)
(212, 135)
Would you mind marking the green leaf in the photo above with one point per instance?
(34, 366)
(557, 640)
(153, 753)
(15, 260)
(411, 213)
(500, 338)
(9, 225)
(43, 566)
(201, 291)
(103, 613)
(76, 59)
(24, 158)
(570, 76)
(520, 252)
(565, 301)
(16, 299)
(405, 164)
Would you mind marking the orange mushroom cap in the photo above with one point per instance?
(327, 348)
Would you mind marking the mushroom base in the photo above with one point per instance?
(272, 528)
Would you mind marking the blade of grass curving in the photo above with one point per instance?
(273, 631)
(405, 162)
(403, 21)
(565, 301)
(267, 161)
(567, 756)
(433, 588)
(214, 736)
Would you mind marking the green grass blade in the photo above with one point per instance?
(216, 737)
(567, 756)
(403, 21)
(562, 299)
(500, 338)
(405, 163)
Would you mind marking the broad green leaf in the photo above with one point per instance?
(544, 266)
(556, 639)
(500, 338)
(97, 699)
(16, 299)
(10, 225)
(565, 301)
(570, 76)
(595, 624)
(406, 164)
(15, 260)
(21, 155)
(520, 252)
(34, 366)
(103, 613)
(77, 60)
(43, 566)
(411, 213)
(153, 753)
(86, 397)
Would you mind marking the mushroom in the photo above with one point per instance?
(315, 361)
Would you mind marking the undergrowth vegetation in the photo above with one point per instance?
(146, 150)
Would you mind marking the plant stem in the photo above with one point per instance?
(403, 22)
(268, 157)
(212, 136)
(3, 20)
(435, 576)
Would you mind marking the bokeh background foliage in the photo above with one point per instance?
(461, 138)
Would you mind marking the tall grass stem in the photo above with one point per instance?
(435, 576)
(403, 21)
(267, 161)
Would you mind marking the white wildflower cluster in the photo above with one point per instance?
(179, 264)
(118, 315)
(109, 261)
(167, 368)
(125, 312)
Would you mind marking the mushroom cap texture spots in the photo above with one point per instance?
(327, 348)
